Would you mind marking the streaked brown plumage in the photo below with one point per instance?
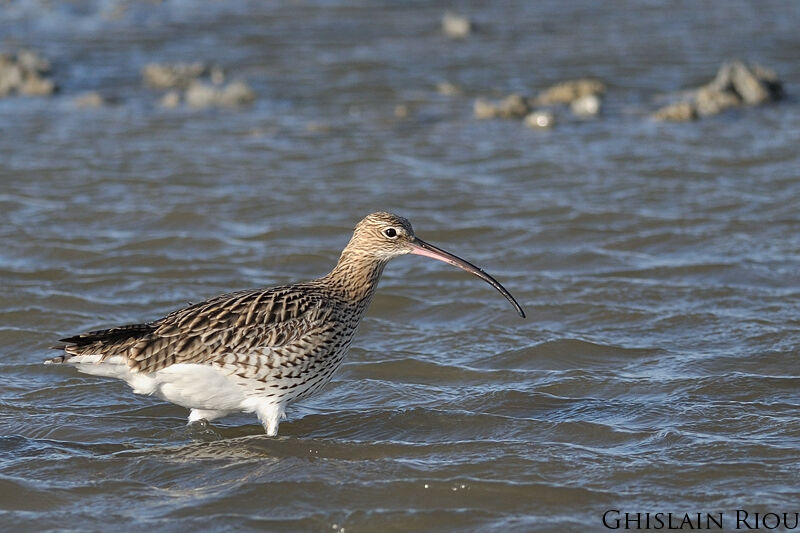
(256, 350)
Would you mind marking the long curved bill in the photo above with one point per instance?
(420, 247)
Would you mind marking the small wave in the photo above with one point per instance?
(561, 354)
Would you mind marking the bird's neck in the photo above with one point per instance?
(356, 275)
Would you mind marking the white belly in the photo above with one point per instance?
(212, 391)
(189, 385)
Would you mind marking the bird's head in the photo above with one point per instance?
(383, 236)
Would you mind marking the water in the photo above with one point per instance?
(657, 370)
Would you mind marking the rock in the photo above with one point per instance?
(235, 94)
(753, 85)
(32, 62)
(709, 101)
(37, 86)
(201, 94)
(25, 74)
(512, 106)
(456, 26)
(89, 100)
(170, 100)
(484, 109)
(177, 76)
(197, 85)
(448, 89)
(568, 91)
(586, 106)
(540, 120)
(678, 112)
(11, 76)
(722, 81)
(769, 78)
(735, 84)
(751, 89)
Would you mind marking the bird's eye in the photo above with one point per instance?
(390, 232)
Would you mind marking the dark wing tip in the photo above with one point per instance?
(110, 335)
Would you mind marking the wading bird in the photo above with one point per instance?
(257, 350)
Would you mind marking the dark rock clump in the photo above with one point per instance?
(174, 76)
(25, 73)
(583, 97)
(567, 92)
(512, 106)
(196, 84)
(735, 85)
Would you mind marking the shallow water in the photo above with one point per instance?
(657, 370)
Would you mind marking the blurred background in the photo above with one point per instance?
(628, 170)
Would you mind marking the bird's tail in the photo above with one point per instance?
(102, 343)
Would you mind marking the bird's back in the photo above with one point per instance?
(254, 334)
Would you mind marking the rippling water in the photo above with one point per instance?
(657, 370)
